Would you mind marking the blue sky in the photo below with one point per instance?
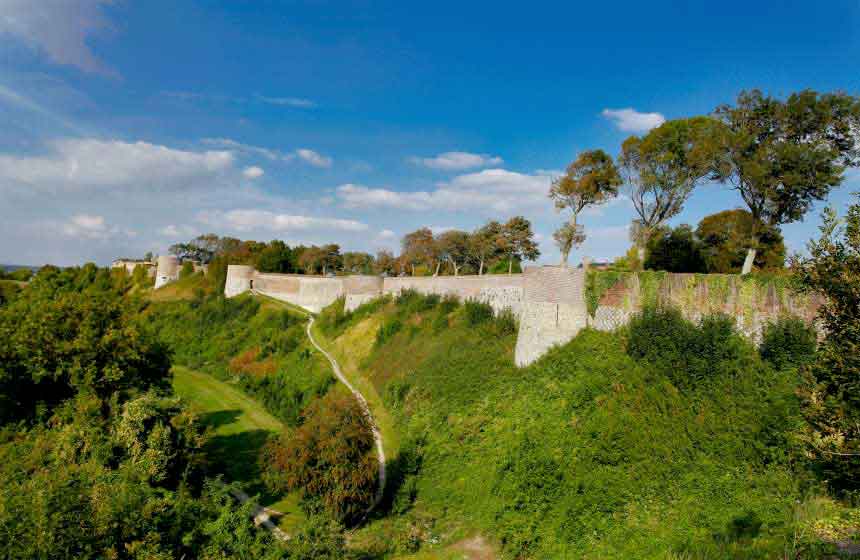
(130, 125)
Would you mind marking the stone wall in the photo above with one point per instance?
(753, 302)
(167, 270)
(501, 291)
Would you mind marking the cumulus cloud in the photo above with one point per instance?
(253, 172)
(313, 158)
(253, 219)
(495, 189)
(76, 164)
(59, 28)
(457, 161)
(631, 120)
(90, 227)
(178, 231)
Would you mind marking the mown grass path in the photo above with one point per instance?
(240, 427)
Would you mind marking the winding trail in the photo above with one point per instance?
(377, 436)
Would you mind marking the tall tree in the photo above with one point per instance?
(663, 168)
(832, 390)
(332, 260)
(483, 244)
(453, 248)
(781, 156)
(419, 247)
(517, 241)
(589, 181)
(385, 263)
(276, 257)
(675, 250)
(357, 262)
(725, 236)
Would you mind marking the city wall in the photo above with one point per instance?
(551, 302)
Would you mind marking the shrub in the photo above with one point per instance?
(448, 304)
(186, 270)
(685, 352)
(506, 322)
(411, 301)
(387, 330)
(329, 457)
(788, 342)
(477, 312)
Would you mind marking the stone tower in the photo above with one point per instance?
(167, 270)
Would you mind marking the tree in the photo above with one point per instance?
(453, 247)
(783, 156)
(517, 241)
(589, 181)
(419, 247)
(725, 236)
(483, 244)
(357, 262)
(332, 261)
(663, 168)
(276, 257)
(674, 250)
(330, 457)
(831, 393)
(311, 259)
(385, 263)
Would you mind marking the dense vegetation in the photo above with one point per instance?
(259, 346)
(677, 439)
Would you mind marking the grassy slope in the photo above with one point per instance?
(239, 427)
(583, 454)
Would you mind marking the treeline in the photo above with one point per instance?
(779, 155)
(495, 247)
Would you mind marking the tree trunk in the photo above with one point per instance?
(438, 265)
(748, 262)
(640, 252)
(564, 255)
(413, 269)
(511, 265)
(481, 268)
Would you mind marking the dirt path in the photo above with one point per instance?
(377, 436)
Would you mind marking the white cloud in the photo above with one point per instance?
(253, 172)
(631, 120)
(304, 154)
(498, 190)
(59, 28)
(252, 219)
(297, 102)
(313, 158)
(178, 231)
(89, 227)
(457, 161)
(76, 164)
(387, 234)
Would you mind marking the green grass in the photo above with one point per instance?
(585, 454)
(239, 428)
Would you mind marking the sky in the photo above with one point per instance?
(130, 125)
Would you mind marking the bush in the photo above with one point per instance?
(388, 330)
(186, 270)
(478, 312)
(506, 322)
(330, 458)
(685, 352)
(788, 342)
(448, 304)
(411, 301)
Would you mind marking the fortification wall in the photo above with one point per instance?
(751, 301)
(554, 310)
(501, 291)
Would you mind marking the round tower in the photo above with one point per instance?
(166, 271)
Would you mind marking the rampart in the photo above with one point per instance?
(752, 301)
(552, 303)
(166, 271)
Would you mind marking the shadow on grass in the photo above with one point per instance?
(237, 456)
(220, 418)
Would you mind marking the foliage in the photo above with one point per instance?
(781, 156)
(674, 250)
(687, 354)
(262, 348)
(585, 454)
(725, 237)
(186, 270)
(662, 169)
(73, 332)
(832, 389)
(276, 257)
(17, 275)
(596, 284)
(591, 180)
(329, 457)
(517, 241)
(477, 312)
(788, 342)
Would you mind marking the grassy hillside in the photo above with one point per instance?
(588, 453)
